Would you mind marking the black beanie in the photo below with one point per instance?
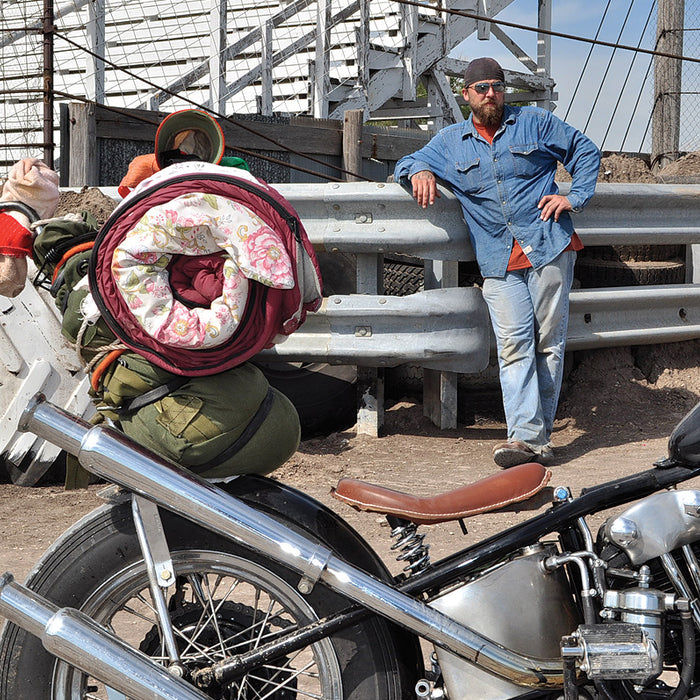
(482, 69)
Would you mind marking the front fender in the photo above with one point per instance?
(305, 514)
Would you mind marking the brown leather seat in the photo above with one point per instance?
(491, 493)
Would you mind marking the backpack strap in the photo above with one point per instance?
(243, 439)
(80, 248)
(151, 396)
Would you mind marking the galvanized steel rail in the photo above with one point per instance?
(363, 217)
(372, 219)
(445, 330)
(378, 218)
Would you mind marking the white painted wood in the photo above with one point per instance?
(217, 46)
(321, 80)
(483, 28)
(266, 71)
(409, 21)
(364, 53)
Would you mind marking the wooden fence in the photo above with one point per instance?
(102, 141)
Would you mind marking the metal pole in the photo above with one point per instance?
(48, 29)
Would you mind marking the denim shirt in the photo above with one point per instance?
(500, 184)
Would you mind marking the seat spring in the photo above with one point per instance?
(413, 549)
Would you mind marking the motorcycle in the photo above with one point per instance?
(177, 588)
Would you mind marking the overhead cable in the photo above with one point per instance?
(550, 32)
(634, 111)
(234, 122)
(601, 84)
(629, 72)
(585, 64)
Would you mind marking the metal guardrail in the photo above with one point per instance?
(372, 219)
(378, 218)
(366, 217)
(634, 214)
(442, 329)
(600, 318)
(362, 217)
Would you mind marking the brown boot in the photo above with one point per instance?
(510, 454)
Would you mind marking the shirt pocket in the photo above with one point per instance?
(525, 160)
(468, 177)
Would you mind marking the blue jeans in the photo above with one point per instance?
(530, 313)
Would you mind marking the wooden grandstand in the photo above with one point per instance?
(265, 57)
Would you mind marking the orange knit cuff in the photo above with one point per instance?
(15, 239)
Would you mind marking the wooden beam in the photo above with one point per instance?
(666, 117)
(83, 145)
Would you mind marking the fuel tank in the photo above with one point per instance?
(517, 604)
(684, 443)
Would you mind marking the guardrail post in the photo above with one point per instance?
(370, 380)
(693, 264)
(440, 390)
(370, 280)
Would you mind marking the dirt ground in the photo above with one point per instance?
(617, 410)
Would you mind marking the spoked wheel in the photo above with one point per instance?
(220, 606)
(225, 601)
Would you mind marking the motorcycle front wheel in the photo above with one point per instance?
(226, 600)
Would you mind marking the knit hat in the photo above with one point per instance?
(482, 69)
(139, 169)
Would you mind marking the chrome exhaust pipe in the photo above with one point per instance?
(114, 457)
(79, 641)
(58, 427)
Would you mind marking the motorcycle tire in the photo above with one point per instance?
(97, 567)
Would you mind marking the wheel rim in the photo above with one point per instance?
(221, 605)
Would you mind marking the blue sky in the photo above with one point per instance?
(613, 102)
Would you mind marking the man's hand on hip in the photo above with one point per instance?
(553, 205)
(424, 188)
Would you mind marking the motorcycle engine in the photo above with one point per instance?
(630, 645)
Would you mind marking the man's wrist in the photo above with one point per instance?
(576, 204)
(422, 168)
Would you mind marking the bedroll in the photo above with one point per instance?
(206, 408)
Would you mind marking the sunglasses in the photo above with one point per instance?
(483, 88)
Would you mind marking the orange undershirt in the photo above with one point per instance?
(518, 260)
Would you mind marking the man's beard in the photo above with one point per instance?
(488, 113)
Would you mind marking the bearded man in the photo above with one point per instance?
(500, 163)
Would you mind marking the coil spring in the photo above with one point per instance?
(412, 548)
